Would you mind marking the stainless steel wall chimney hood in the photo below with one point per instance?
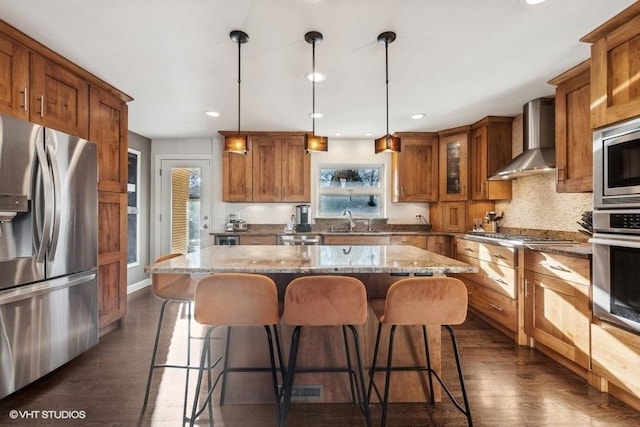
(539, 155)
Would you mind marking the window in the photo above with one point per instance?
(133, 203)
(347, 186)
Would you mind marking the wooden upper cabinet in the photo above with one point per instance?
(454, 164)
(59, 98)
(237, 184)
(276, 169)
(415, 170)
(14, 79)
(296, 167)
(266, 155)
(615, 67)
(574, 140)
(108, 129)
(489, 151)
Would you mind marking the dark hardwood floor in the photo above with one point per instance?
(508, 386)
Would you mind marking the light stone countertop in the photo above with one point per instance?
(312, 260)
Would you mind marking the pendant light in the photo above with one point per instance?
(387, 142)
(313, 142)
(237, 143)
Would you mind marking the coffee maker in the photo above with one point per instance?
(303, 218)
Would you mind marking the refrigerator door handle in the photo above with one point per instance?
(57, 194)
(43, 179)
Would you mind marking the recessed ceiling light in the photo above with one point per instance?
(417, 116)
(368, 134)
(316, 77)
(316, 115)
(212, 113)
(338, 134)
(535, 1)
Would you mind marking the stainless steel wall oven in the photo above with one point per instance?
(616, 267)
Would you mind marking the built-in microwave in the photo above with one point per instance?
(616, 166)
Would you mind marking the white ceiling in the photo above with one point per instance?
(454, 60)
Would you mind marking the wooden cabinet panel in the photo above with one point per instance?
(112, 256)
(454, 164)
(558, 307)
(296, 164)
(489, 151)
(237, 182)
(615, 356)
(414, 171)
(246, 239)
(574, 141)
(441, 245)
(14, 79)
(453, 216)
(266, 155)
(497, 307)
(615, 87)
(500, 279)
(108, 127)
(59, 98)
(409, 239)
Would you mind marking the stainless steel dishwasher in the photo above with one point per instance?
(299, 239)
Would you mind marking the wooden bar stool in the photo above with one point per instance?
(325, 301)
(421, 301)
(172, 288)
(235, 299)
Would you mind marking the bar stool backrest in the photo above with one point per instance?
(172, 286)
(426, 301)
(236, 299)
(325, 301)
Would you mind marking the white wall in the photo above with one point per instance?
(340, 151)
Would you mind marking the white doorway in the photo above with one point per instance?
(184, 205)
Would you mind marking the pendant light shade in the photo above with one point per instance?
(237, 143)
(387, 142)
(313, 142)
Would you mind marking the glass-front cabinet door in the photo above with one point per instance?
(454, 164)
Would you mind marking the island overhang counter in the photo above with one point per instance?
(376, 266)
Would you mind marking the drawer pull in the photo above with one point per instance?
(556, 267)
(499, 280)
(500, 256)
(25, 99)
(500, 309)
(468, 249)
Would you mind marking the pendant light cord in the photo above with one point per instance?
(313, 87)
(386, 60)
(239, 65)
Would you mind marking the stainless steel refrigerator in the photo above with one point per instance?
(48, 250)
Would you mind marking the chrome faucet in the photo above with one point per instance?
(352, 224)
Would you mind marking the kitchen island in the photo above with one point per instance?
(376, 266)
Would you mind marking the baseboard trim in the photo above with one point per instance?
(134, 287)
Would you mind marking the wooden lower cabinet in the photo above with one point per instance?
(112, 257)
(247, 239)
(343, 239)
(615, 357)
(419, 241)
(493, 291)
(440, 244)
(558, 307)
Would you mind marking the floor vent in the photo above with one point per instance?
(307, 393)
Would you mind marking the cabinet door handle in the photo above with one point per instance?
(25, 99)
(482, 187)
(402, 190)
(499, 256)
(526, 288)
(500, 309)
(41, 100)
(468, 249)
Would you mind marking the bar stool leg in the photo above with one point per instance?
(385, 402)
(153, 355)
(425, 337)
(205, 358)
(288, 382)
(274, 374)
(364, 403)
(466, 410)
(186, 382)
(226, 366)
(352, 373)
(372, 371)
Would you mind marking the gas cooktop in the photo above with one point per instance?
(518, 238)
